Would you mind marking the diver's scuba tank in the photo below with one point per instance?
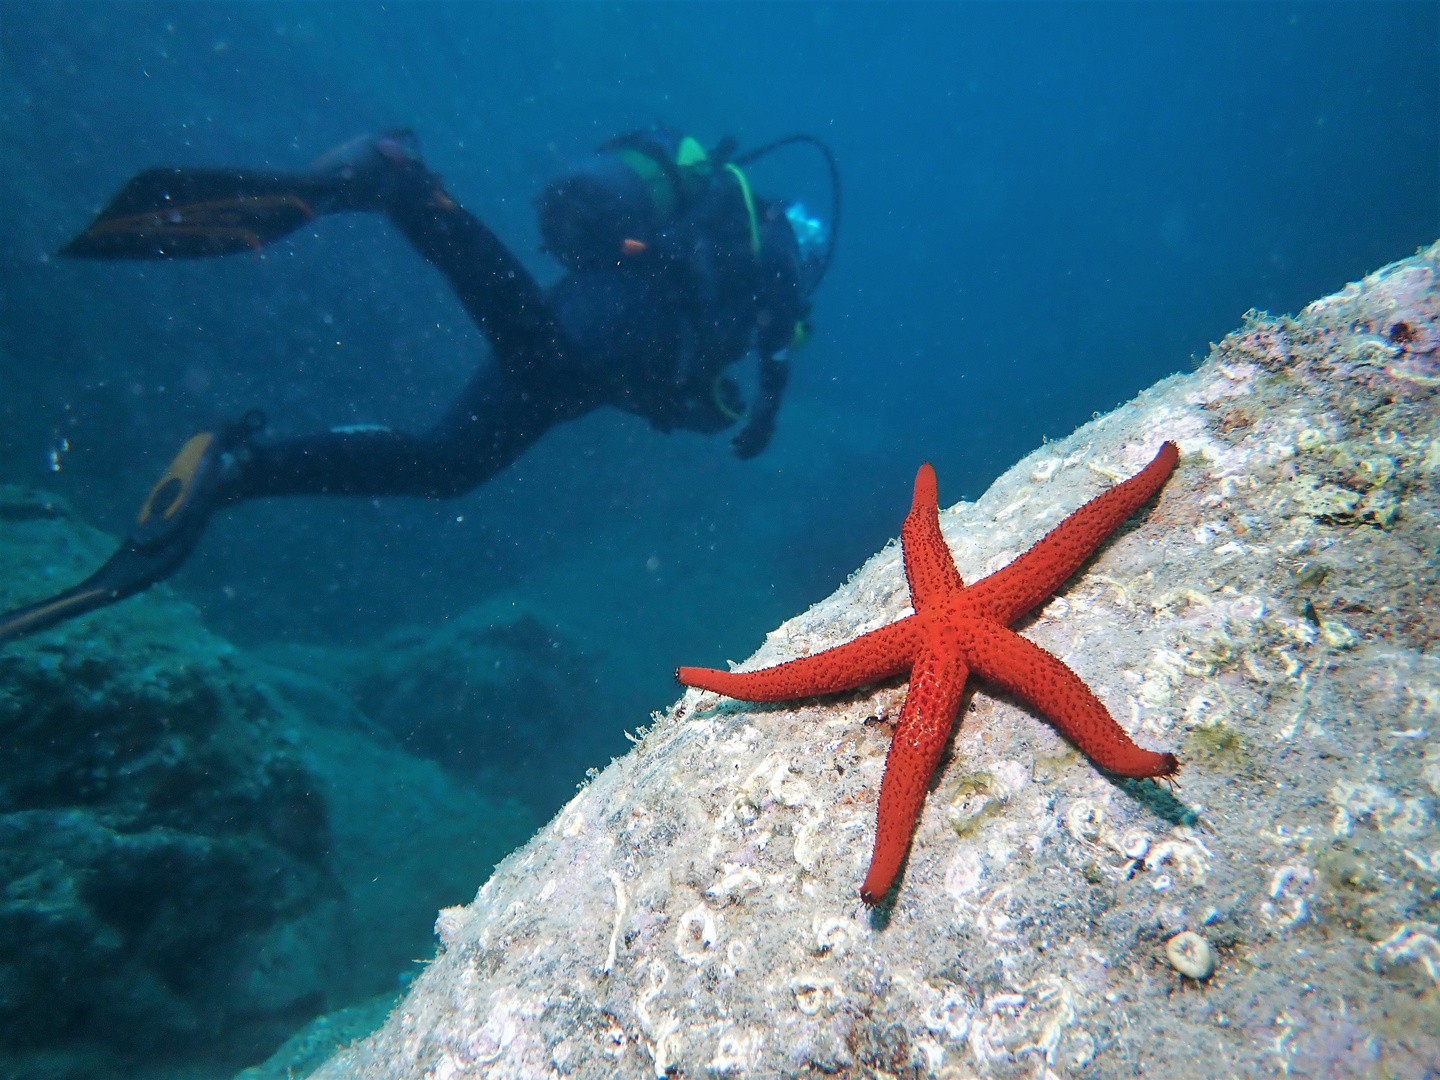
(617, 201)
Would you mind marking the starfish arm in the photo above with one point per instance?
(1004, 658)
(876, 655)
(925, 724)
(1011, 592)
(929, 567)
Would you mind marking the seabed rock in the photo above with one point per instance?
(197, 851)
(497, 695)
(1272, 619)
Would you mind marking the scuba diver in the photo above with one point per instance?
(676, 270)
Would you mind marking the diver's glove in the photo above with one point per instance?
(760, 423)
(204, 474)
(755, 435)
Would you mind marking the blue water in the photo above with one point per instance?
(1047, 208)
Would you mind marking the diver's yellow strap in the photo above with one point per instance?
(182, 468)
(740, 179)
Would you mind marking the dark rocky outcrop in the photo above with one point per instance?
(198, 851)
(497, 696)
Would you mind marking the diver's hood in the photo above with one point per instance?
(586, 215)
(621, 196)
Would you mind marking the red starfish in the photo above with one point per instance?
(957, 629)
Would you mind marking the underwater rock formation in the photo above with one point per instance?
(197, 851)
(497, 695)
(1271, 619)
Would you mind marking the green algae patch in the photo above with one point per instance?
(1219, 746)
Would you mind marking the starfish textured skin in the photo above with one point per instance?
(957, 629)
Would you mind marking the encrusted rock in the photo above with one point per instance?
(1271, 619)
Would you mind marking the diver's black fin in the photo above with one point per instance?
(68, 605)
(167, 529)
(191, 213)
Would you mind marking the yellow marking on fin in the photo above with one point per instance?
(182, 468)
(31, 617)
(215, 218)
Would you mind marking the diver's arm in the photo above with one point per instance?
(784, 331)
(782, 326)
(760, 420)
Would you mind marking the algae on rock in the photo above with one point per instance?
(1272, 618)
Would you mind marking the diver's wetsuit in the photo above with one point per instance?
(651, 335)
(645, 326)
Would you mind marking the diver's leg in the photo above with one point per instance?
(189, 213)
(493, 286)
(176, 213)
(385, 173)
(492, 423)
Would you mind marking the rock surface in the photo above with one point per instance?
(1271, 619)
(197, 851)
